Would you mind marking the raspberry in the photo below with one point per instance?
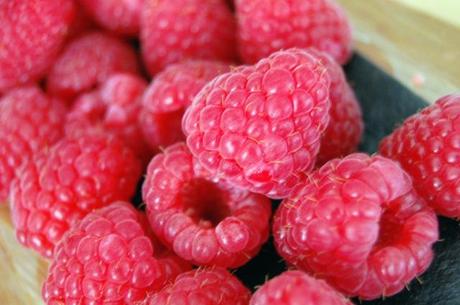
(169, 94)
(427, 145)
(295, 287)
(345, 129)
(358, 223)
(114, 107)
(31, 35)
(24, 132)
(82, 23)
(175, 30)
(265, 26)
(204, 222)
(121, 16)
(61, 185)
(204, 287)
(108, 258)
(87, 61)
(259, 127)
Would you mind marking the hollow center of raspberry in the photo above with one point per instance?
(204, 202)
(391, 229)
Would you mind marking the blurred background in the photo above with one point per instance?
(416, 41)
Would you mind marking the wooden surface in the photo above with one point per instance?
(406, 43)
(421, 51)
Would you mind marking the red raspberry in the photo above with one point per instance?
(213, 286)
(121, 16)
(65, 183)
(428, 147)
(169, 94)
(358, 223)
(108, 258)
(204, 222)
(175, 30)
(29, 122)
(114, 108)
(87, 61)
(259, 127)
(345, 129)
(295, 287)
(265, 26)
(31, 35)
(82, 23)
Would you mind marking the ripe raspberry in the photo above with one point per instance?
(63, 184)
(82, 23)
(114, 108)
(169, 94)
(295, 287)
(428, 147)
(214, 286)
(108, 258)
(87, 61)
(121, 16)
(24, 132)
(31, 35)
(175, 30)
(259, 127)
(358, 223)
(345, 129)
(204, 222)
(265, 26)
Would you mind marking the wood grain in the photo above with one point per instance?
(408, 45)
(21, 270)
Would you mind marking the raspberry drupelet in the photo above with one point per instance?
(114, 108)
(29, 122)
(87, 61)
(294, 288)
(204, 222)
(212, 286)
(346, 125)
(259, 127)
(109, 258)
(427, 145)
(169, 94)
(176, 30)
(358, 223)
(31, 35)
(61, 185)
(266, 26)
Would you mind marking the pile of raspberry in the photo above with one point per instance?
(207, 111)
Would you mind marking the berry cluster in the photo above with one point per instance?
(248, 102)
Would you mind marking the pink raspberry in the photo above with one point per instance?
(428, 147)
(203, 287)
(29, 122)
(61, 185)
(266, 26)
(346, 125)
(203, 222)
(31, 35)
(176, 30)
(87, 61)
(294, 288)
(358, 223)
(169, 94)
(113, 108)
(108, 258)
(121, 16)
(259, 127)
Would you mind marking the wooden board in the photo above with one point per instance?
(409, 45)
(399, 40)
